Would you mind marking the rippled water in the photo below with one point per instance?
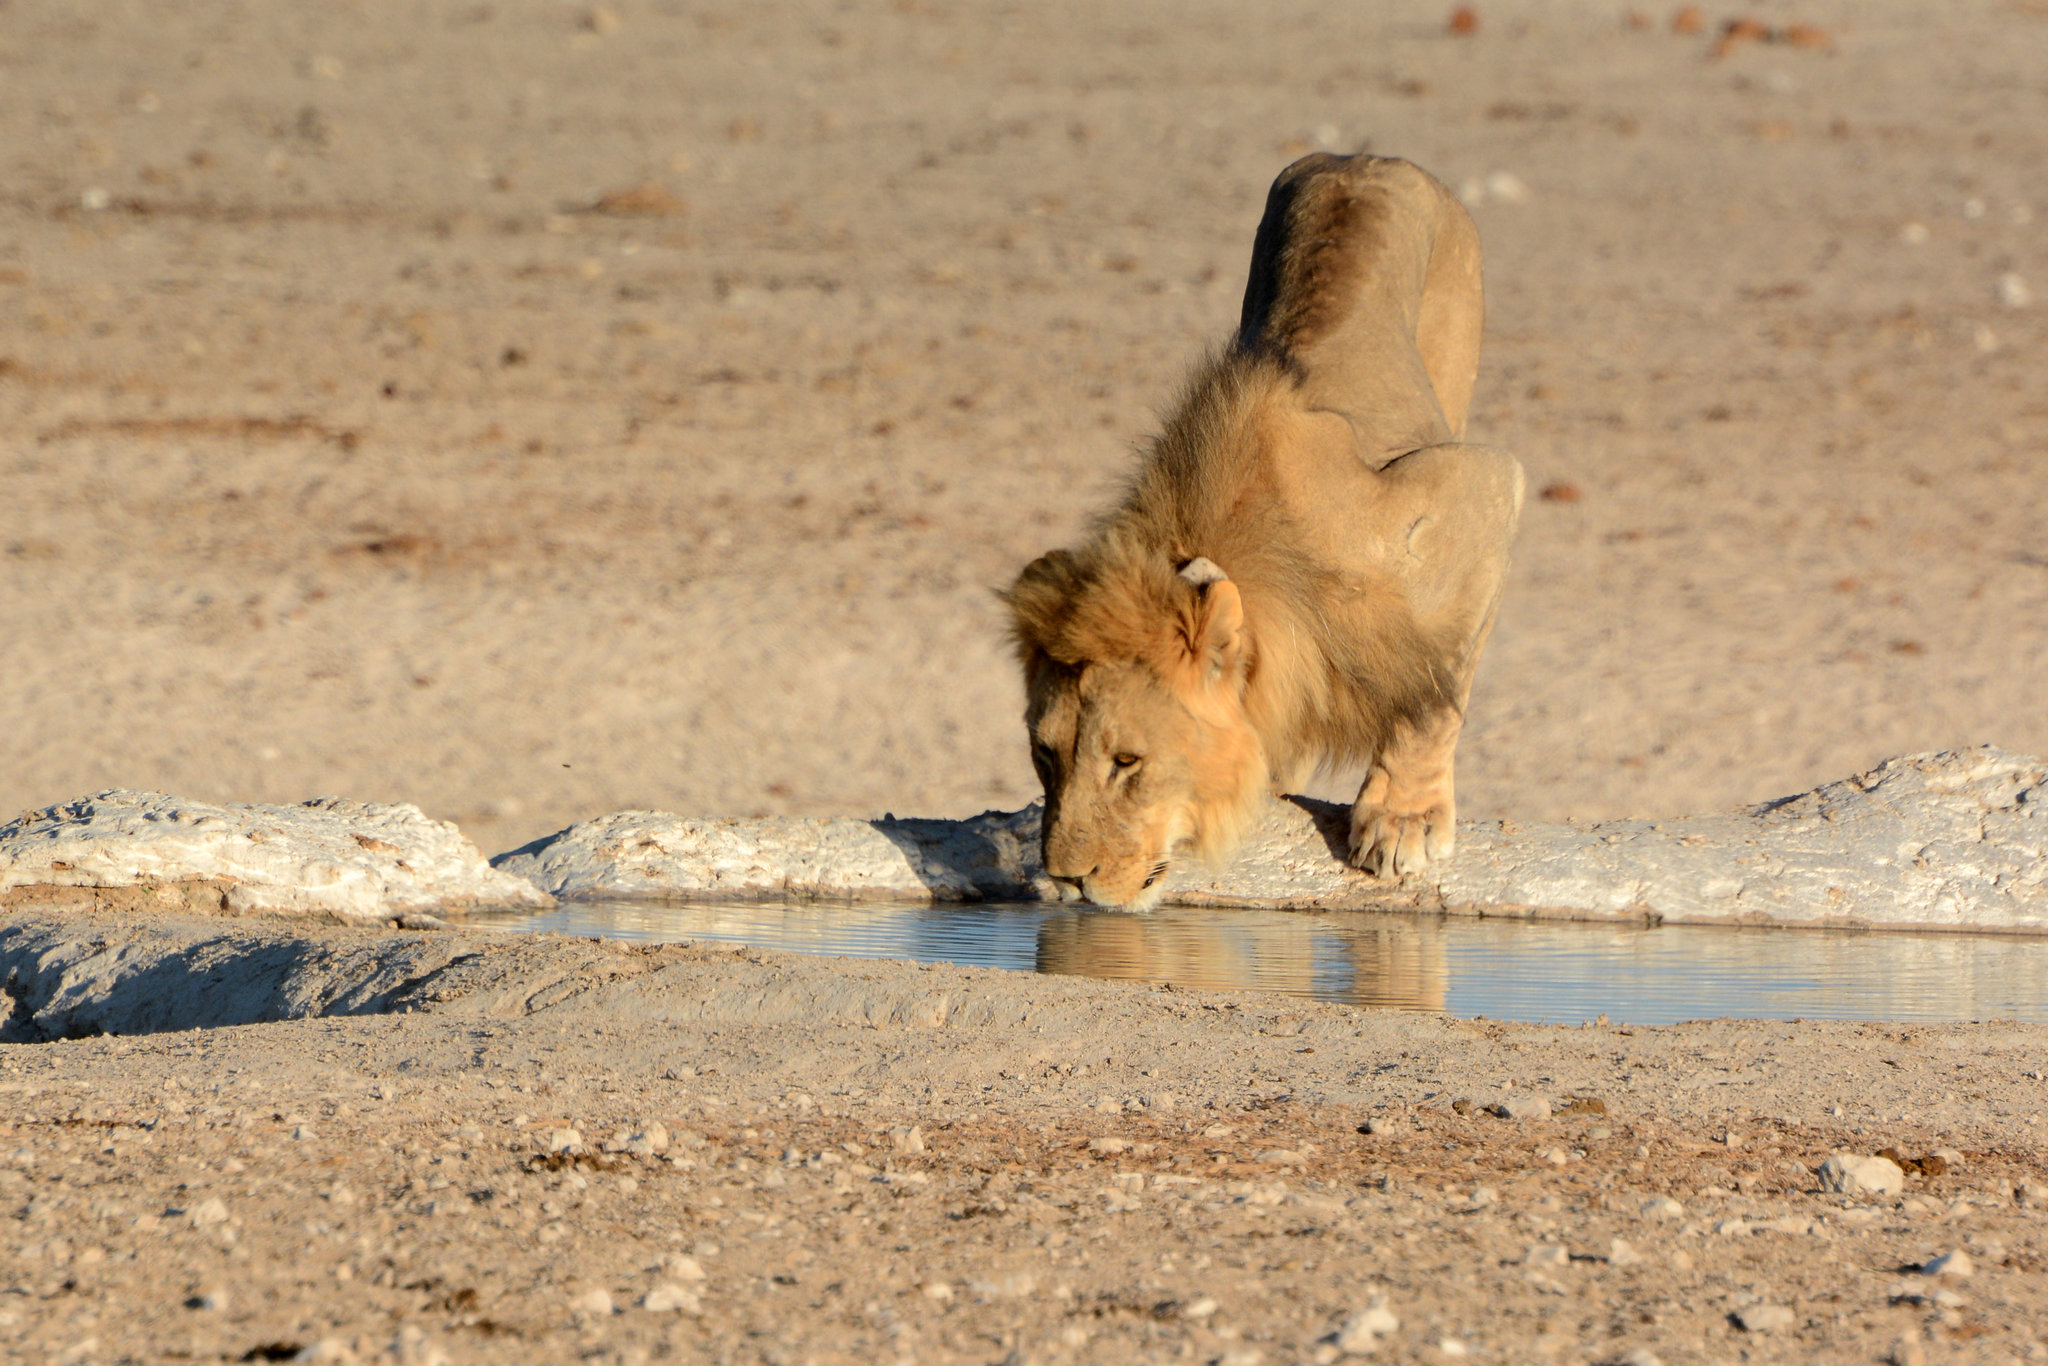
(1501, 969)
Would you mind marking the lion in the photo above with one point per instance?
(1304, 568)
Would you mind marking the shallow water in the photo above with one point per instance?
(1500, 969)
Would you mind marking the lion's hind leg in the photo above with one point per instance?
(1406, 815)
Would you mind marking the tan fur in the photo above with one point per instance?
(1360, 555)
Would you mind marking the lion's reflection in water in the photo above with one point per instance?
(1378, 962)
(1502, 969)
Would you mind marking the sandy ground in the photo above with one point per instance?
(538, 410)
(348, 450)
(874, 1162)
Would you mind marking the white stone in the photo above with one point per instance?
(2013, 291)
(1547, 1256)
(1523, 1107)
(1765, 1318)
(1109, 1145)
(1663, 1207)
(1365, 1329)
(358, 860)
(683, 1267)
(595, 1303)
(207, 1213)
(669, 1298)
(1282, 1157)
(564, 1140)
(1507, 187)
(1199, 1308)
(1857, 1174)
(907, 1140)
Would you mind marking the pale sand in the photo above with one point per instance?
(701, 512)
(343, 453)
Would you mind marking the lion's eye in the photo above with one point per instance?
(1125, 762)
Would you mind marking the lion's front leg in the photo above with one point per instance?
(1406, 814)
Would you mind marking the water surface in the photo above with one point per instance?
(1501, 969)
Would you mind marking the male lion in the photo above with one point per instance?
(1305, 567)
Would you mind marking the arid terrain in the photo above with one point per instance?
(537, 410)
(534, 411)
(875, 1162)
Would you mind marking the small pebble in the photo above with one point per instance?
(563, 1140)
(2013, 291)
(1764, 1318)
(683, 1267)
(938, 1291)
(1109, 1145)
(1663, 1207)
(1365, 1328)
(1855, 1174)
(910, 1140)
(1522, 1107)
(1547, 1255)
(669, 1298)
(1507, 187)
(595, 1303)
(1282, 1157)
(1198, 1308)
(207, 1213)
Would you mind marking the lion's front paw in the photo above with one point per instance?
(1389, 843)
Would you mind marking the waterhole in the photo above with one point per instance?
(1552, 971)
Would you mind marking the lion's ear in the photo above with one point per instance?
(1040, 600)
(1212, 624)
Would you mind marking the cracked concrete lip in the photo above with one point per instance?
(1953, 840)
(349, 860)
(1956, 839)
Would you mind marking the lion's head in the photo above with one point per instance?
(1135, 678)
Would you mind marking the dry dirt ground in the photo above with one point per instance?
(534, 410)
(538, 410)
(875, 1162)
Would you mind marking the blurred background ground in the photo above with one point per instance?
(534, 410)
